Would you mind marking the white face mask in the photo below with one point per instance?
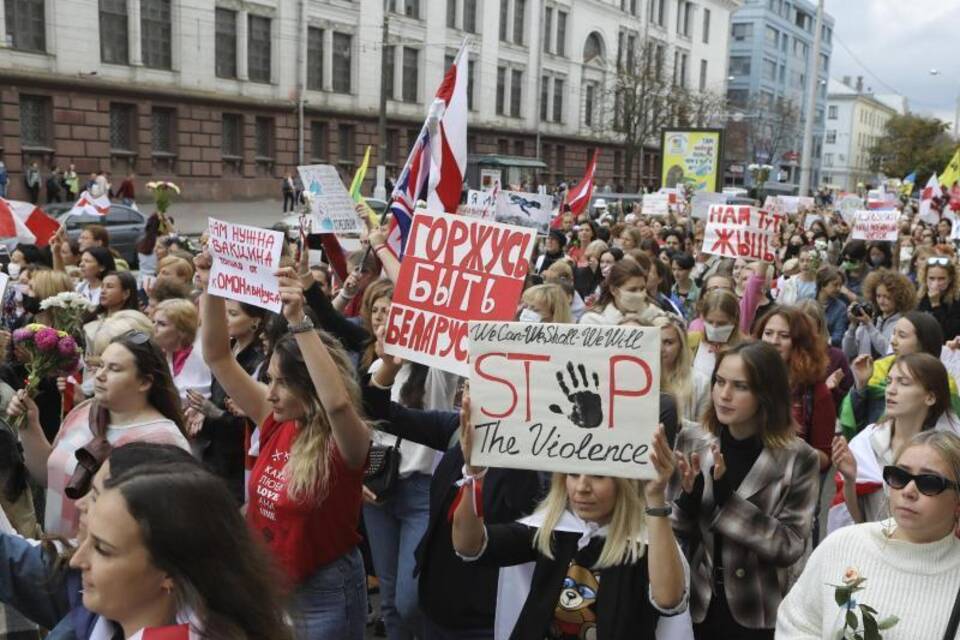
(632, 300)
(13, 269)
(529, 315)
(718, 334)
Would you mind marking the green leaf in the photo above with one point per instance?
(852, 620)
(870, 629)
(887, 623)
(867, 607)
(842, 595)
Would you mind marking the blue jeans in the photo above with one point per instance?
(395, 528)
(332, 603)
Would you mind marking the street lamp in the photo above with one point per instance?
(956, 115)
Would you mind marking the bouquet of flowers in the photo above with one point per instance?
(46, 352)
(161, 194)
(68, 310)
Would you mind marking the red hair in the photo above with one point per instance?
(808, 355)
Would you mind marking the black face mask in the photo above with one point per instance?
(31, 304)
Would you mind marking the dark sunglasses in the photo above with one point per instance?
(927, 483)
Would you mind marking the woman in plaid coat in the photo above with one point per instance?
(749, 489)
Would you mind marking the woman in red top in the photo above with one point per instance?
(305, 487)
(791, 331)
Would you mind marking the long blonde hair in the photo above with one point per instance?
(626, 533)
(551, 295)
(308, 469)
(679, 382)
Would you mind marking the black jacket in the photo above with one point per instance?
(947, 315)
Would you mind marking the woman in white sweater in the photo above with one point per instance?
(908, 567)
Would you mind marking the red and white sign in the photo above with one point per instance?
(88, 205)
(455, 269)
(26, 222)
(927, 195)
(244, 261)
(876, 225)
(741, 231)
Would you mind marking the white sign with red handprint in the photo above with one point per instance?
(568, 398)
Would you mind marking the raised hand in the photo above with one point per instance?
(719, 462)
(586, 409)
(862, 367)
(664, 462)
(843, 459)
(466, 433)
(833, 380)
(291, 294)
(689, 468)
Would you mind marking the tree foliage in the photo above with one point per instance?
(912, 143)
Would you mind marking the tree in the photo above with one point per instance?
(912, 143)
(769, 128)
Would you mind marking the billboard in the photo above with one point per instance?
(692, 155)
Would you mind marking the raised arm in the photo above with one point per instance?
(349, 431)
(36, 447)
(249, 395)
(469, 534)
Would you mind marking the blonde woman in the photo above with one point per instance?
(605, 542)
(175, 324)
(720, 312)
(938, 293)
(306, 483)
(689, 387)
(546, 303)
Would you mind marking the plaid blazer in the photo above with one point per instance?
(765, 526)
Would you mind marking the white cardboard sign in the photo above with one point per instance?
(531, 210)
(479, 204)
(244, 261)
(655, 205)
(703, 200)
(735, 231)
(568, 398)
(334, 211)
(876, 225)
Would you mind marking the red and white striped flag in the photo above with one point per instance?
(87, 204)
(578, 197)
(927, 195)
(26, 222)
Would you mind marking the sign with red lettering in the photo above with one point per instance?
(244, 260)
(735, 231)
(561, 397)
(876, 225)
(455, 269)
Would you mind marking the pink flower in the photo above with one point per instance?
(47, 339)
(850, 576)
(22, 335)
(67, 346)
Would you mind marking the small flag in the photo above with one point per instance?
(579, 196)
(951, 174)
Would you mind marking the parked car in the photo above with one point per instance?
(125, 224)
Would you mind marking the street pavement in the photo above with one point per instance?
(191, 217)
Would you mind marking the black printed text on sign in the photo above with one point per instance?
(568, 398)
(455, 269)
(735, 231)
(881, 225)
(244, 261)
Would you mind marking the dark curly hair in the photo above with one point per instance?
(899, 287)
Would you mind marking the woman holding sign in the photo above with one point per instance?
(606, 563)
(305, 486)
(749, 486)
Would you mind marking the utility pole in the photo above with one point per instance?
(813, 80)
(382, 122)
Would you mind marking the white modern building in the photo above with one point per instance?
(856, 118)
(209, 92)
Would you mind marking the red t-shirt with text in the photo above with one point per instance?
(302, 536)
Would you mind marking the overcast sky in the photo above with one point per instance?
(900, 41)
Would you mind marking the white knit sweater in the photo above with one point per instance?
(916, 582)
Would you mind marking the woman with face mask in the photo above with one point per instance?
(623, 291)
(938, 294)
(802, 286)
(545, 303)
(906, 566)
(586, 279)
(720, 316)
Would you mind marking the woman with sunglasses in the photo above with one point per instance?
(917, 399)
(907, 566)
(938, 294)
(134, 401)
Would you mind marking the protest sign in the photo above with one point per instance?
(876, 225)
(795, 204)
(479, 204)
(525, 210)
(655, 205)
(334, 211)
(703, 200)
(741, 231)
(848, 205)
(244, 261)
(568, 398)
(455, 269)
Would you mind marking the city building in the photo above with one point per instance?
(856, 118)
(771, 61)
(208, 94)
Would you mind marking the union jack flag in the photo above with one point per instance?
(411, 187)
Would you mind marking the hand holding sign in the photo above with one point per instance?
(291, 294)
(664, 463)
(467, 433)
(587, 411)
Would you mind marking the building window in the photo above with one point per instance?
(226, 43)
(411, 66)
(36, 121)
(342, 62)
(318, 140)
(561, 41)
(470, 16)
(544, 96)
(263, 130)
(501, 90)
(832, 112)
(470, 82)
(706, 26)
(122, 132)
(114, 46)
(742, 31)
(519, 148)
(163, 126)
(684, 17)
(561, 160)
(588, 105)
(314, 59)
(504, 15)
(503, 146)
(519, 14)
(411, 9)
(155, 33)
(771, 36)
(345, 147)
(389, 66)
(703, 75)
(452, 14)
(739, 66)
(231, 140)
(769, 70)
(516, 86)
(26, 25)
(658, 14)
(680, 68)
(547, 28)
(392, 147)
(557, 100)
(258, 49)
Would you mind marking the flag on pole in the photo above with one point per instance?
(951, 174)
(907, 187)
(437, 163)
(579, 196)
(26, 222)
(359, 176)
(927, 195)
(88, 205)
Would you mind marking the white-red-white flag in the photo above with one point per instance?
(927, 195)
(578, 197)
(89, 205)
(26, 222)
(448, 154)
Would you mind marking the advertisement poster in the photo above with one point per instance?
(692, 155)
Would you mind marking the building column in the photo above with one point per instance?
(243, 24)
(134, 38)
